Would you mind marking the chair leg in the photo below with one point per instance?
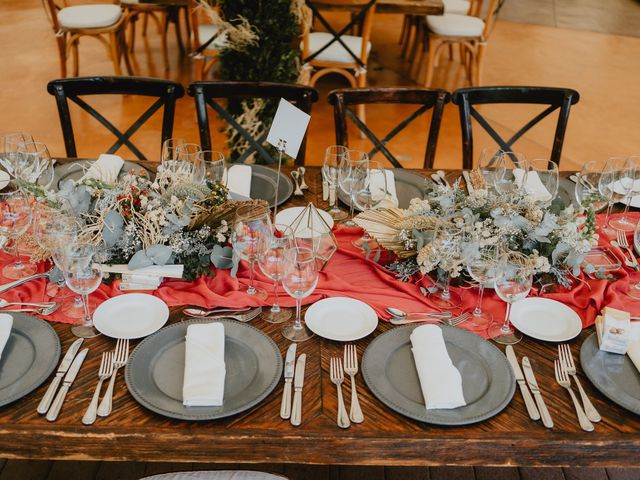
(479, 54)
(187, 27)
(198, 67)
(361, 80)
(125, 53)
(434, 47)
(145, 23)
(163, 39)
(451, 51)
(132, 31)
(406, 22)
(416, 64)
(62, 53)
(76, 59)
(115, 51)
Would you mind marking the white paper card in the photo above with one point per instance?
(289, 124)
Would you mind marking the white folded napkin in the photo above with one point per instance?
(440, 380)
(168, 271)
(239, 179)
(534, 186)
(204, 368)
(377, 185)
(106, 168)
(6, 322)
(633, 350)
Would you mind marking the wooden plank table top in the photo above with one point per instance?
(261, 436)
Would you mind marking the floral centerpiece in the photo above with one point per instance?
(554, 238)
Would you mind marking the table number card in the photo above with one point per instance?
(288, 127)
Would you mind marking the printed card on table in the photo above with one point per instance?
(289, 125)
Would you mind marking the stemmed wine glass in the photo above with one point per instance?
(549, 179)
(179, 158)
(369, 191)
(349, 174)
(35, 164)
(513, 284)
(483, 266)
(9, 157)
(587, 190)
(252, 226)
(489, 166)
(299, 281)
(213, 165)
(15, 218)
(628, 183)
(69, 256)
(513, 168)
(333, 156)
(608, 186)
(447, 239)
(271, 261)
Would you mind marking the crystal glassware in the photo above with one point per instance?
(180, 160)
(609, 180)
(35, 164)
(252, 226)
(548, 175)
(587, 190)
(349, 174)
(84, 280)
(447, 240)
(489, 167)
(513, 284)
(628, 183)
(510, 172)
(370, 190)
(214, 166)
(10, 156)
(299, 281)
(74, 255)
(333, 156)
(271, 262)
(483, 266)
(15, 219)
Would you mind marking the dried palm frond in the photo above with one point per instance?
(383, 225)
(214, 215)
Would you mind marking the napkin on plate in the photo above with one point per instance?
(204, 368)
(377, 185)
(534, 186)
(440, 380)
(239, 180)
(6, 322)
(633, 350)
(106, 168)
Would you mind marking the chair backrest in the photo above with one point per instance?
(342, 100)
(51, 9)
(361, 19)
(216, 475)
(554, 98)
(165, 91)
(491, 13)
(209, 94)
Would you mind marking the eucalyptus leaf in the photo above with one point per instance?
(139, 260)
(159, 254)
(222, 257)
(113, 228)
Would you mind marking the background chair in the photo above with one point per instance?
(164, 91)
(205, 47)
(554, 98)
(211, 93)
(426, 99)
(219, 475)
(105, 22)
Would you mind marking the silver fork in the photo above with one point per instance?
(568, 365)
(351, 369)
(120, 357)
(337, 377)
(564, 381)
(624, 243)
(452, 322)
(105, 371)
(243, 317)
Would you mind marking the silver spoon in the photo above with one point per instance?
(408, 316)
(40, 311)
(199, 312)
(5, 303)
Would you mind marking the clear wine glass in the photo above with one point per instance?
(35, 164)
(587, 189)
(214, 165)
(10, 156)
(333, 156)
(549, 179)
(299, 281)
(628, 183)
(512, 170)
(271, 262)
(609, 180)
(447, 240)
(74, 255)
(490, 166)
(513, 284)
(179, 159)
(252, 226)
(83, 281)
(483, 266)
(369, 191)
(15, 219)
(349, 174)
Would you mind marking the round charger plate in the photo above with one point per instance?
(75, 170)
(289, 215)
(132, 315)
(545, 319)
(263, 185)
(409, 185)
(155, 371)
(488, 383)
(30, 355)
(341, 319)
(614, 375)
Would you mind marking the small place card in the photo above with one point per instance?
(614, 330)
(288, 128)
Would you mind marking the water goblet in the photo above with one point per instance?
(608, 187)
(252, 225)
(10, 157)
(84, 280)
(543, 179)
(214, 166)
(35, 164)
(369, 192)
(483, 266)
(350, 174)
(587, 190)
(333, 156)
(71, 256)
(489, 166)
(512, 173)
(447, 242)
(628, 183)
(271, 262)
(15, 219)
(179, 160)
(299, 281)
(513, 284)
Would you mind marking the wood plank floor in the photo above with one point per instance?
(44, 470)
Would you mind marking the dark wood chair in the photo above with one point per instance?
(554, 98)
(342, 100)
(166, 92)
(215, 94)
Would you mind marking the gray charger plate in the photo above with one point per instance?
(155, 371)
(409, 185)
(30, 355)
(488, 383)
(75, 170)
(614, 375)
(263, 185)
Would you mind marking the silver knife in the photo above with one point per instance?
(52, 414)
(533, 385)
(44, 404)
(289, 363)
(296, 410)
(528, 400)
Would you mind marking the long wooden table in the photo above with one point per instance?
(260, 436)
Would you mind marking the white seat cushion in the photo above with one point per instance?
(450, 25)
(205, 32)
(89, 16)
(335, 52)
(457, 7)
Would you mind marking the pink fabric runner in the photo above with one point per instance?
(349, 274)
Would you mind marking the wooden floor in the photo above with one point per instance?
(42, 470)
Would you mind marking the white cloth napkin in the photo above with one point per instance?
(440, 380)
(106, 168)
(633, 350)
(239, 180)
(154, 271)
(204, 368)
(377, 185)
(6, 322)
(534, 186)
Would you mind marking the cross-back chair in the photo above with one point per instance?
(467, 99)
(212, 94)
(427, 100)
(165, 92)
(104, 22)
